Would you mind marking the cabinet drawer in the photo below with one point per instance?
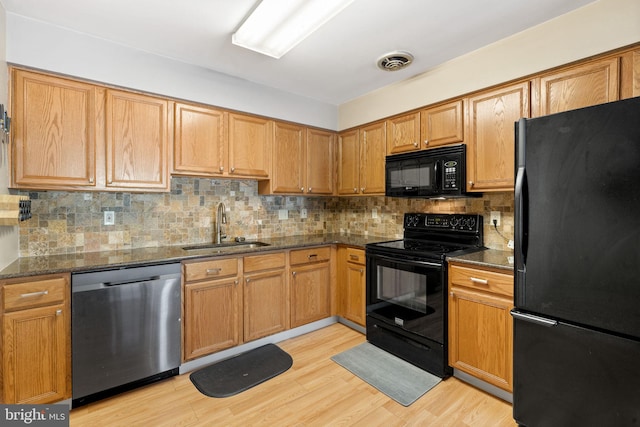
(481, 279)
(212, 269)
(34, 294)
(355, 256)
(305, 256)
(264, 262)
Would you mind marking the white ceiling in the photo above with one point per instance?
(333, 65)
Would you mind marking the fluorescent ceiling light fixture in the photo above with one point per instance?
(276, 26)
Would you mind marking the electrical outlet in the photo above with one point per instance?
(283, 214)
(109, 217)
(374, 213)
(510, 244)
(303, 213)
(495, 216)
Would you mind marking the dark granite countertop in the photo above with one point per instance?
(488, 258)
(31, 266)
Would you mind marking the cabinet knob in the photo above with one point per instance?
(293, 273)
(362, 189)
(248, 280)
(470, 183)
(415, 144)
(451, 293)
(426, 142)
(310, 190)
(301, 188)
(355, 190)
(58, 312)
(110, 182)
(235, 282)
(221, 168)
(361, 271)
(233, 169)
(90, 180)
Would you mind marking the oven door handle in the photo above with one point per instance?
(411, 262)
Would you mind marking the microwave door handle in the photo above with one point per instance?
(436, 171)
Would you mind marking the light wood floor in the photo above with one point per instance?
(314, 392)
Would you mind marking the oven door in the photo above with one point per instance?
(408, 294)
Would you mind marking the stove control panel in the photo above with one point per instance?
(462, 222)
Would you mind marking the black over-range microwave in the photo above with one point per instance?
(433, 173)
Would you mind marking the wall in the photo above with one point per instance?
(40, 45)
(69, 222)
(596, 28)
(8, 235)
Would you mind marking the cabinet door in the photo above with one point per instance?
(373, 147)
(287, 173)
(480, 336)
(54, 134)
(265, 304)
(310, 293)
(442, 125)
(349, 162)
(213, 319)
(491, 142)
(582, 86)
(37, 359)
(250, 140)
(319, 170)
(137, 141)
(354, 308)
(200, 141)
(403, 133)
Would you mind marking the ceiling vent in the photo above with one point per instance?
(395, 61)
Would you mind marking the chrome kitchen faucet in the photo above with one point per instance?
(221, 218)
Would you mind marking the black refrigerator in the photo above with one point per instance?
(577, 268)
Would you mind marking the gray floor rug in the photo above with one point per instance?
(241, 372)
(400, 380)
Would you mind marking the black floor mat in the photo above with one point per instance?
(241, 372)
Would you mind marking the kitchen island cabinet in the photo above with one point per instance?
(310, 285)
(36, 340)
(212, 306)
(480, 324)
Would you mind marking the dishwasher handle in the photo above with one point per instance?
(128, 282)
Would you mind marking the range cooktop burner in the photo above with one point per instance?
(422, 246)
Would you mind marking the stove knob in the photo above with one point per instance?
(453, 222)
(472, 222)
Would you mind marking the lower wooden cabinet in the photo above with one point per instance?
(265, 295)
(480, 324)
(212, 318)
(36, 340)
(310, 285)
(352, 284)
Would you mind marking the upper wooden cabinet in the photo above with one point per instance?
(200, 141)
(77, 136)
(442, 124)
(361, 156)
(302, 161)
(250, 142)
(54, 134)
(580, 86)
(491, 136)
(137, 141)
(403, 133)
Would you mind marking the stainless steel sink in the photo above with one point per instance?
(221, 247)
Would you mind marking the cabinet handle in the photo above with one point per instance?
(415, 144)
(361, 271)
(362, 189)
(90, 180)
(355, 190)
(452, 294)
(212, 271)
(110, 182)
(235, 282)
(34, 294)
(470, 183)
(293, 273)
(221, 168)
(479, 281)
(309, 189)
(248, 280)
(426, 142)
(301, 188)
(312, 256)
(354, 257)
(58, 312)
(233, 169)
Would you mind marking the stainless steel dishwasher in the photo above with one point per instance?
(125, 329)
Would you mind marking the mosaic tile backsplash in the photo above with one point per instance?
(70, 222)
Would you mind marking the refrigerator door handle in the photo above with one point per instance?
(542, 321)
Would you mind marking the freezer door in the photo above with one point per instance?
(570, 376)
(577, 216)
